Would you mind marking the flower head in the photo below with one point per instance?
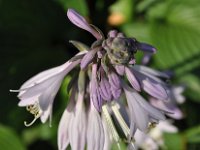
(109, 79)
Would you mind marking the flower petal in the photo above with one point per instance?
(49, 94)
(151, 85)
(138, 115)
(36, 87)
(78, 124)
(28, 101)
(120, 69)
(147, 70)
(115, 84)
(79, 21)
(146, 47)
(63, 130)
(47, 114)
(104, 89)
(95, 131)
(87, 59)
(95, 95)
(152, 111)
(132, 79)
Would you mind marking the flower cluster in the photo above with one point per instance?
(108, 96)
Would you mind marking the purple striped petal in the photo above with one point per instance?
(146, 48)
(173, 110)
(95, 95)
(79, 21)
(104, 89)
(87, 59)
(147, 70)
(114, 80)
(78, 124)
(151, 86)
(140, 110)
(95, 131)
(63, 129)
(120, 69)
(115, 84)
(49, 94)
(132, 79)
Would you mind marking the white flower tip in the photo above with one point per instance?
(14, 90)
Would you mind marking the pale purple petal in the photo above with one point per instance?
(167, 126)
(132, 79)
(104, 89)
(140, 109)
(94, 91)
(87, 59)
(116, 93)
(154, 89)
(40, 82)
(95, 131)
(112, 33)
(78, 124)
(115, 84)
(152, 111)
(47, 74)
(146, 47)
(120, 69)
(146, 58)
(63, 130)
(49, 94)
(137, 114)
(28, 101)
(79, 21)
(47, 114)
(175, 112)
(151, 86)
(114, 80)
(147, 71)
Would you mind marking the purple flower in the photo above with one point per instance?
(109, 79)
(38, 93)
(175, 97)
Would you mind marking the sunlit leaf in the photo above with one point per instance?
(173, 141)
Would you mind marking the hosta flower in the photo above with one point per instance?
(108, 80)
(175, 97)
(154, 139)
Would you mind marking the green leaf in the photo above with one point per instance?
(9, 139)
(139, 30)
(173, 141)
(192, 135)
(192, 85)
(41, 131)
(173, 27)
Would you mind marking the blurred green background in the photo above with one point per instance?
(34, 36)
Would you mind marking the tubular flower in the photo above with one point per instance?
(108, 80)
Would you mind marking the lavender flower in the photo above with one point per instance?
(175, 97)
(109, 79)
(154, 138)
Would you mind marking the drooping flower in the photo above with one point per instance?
(175, 97)
(154, 139)
(109, 79)
(38, 93)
